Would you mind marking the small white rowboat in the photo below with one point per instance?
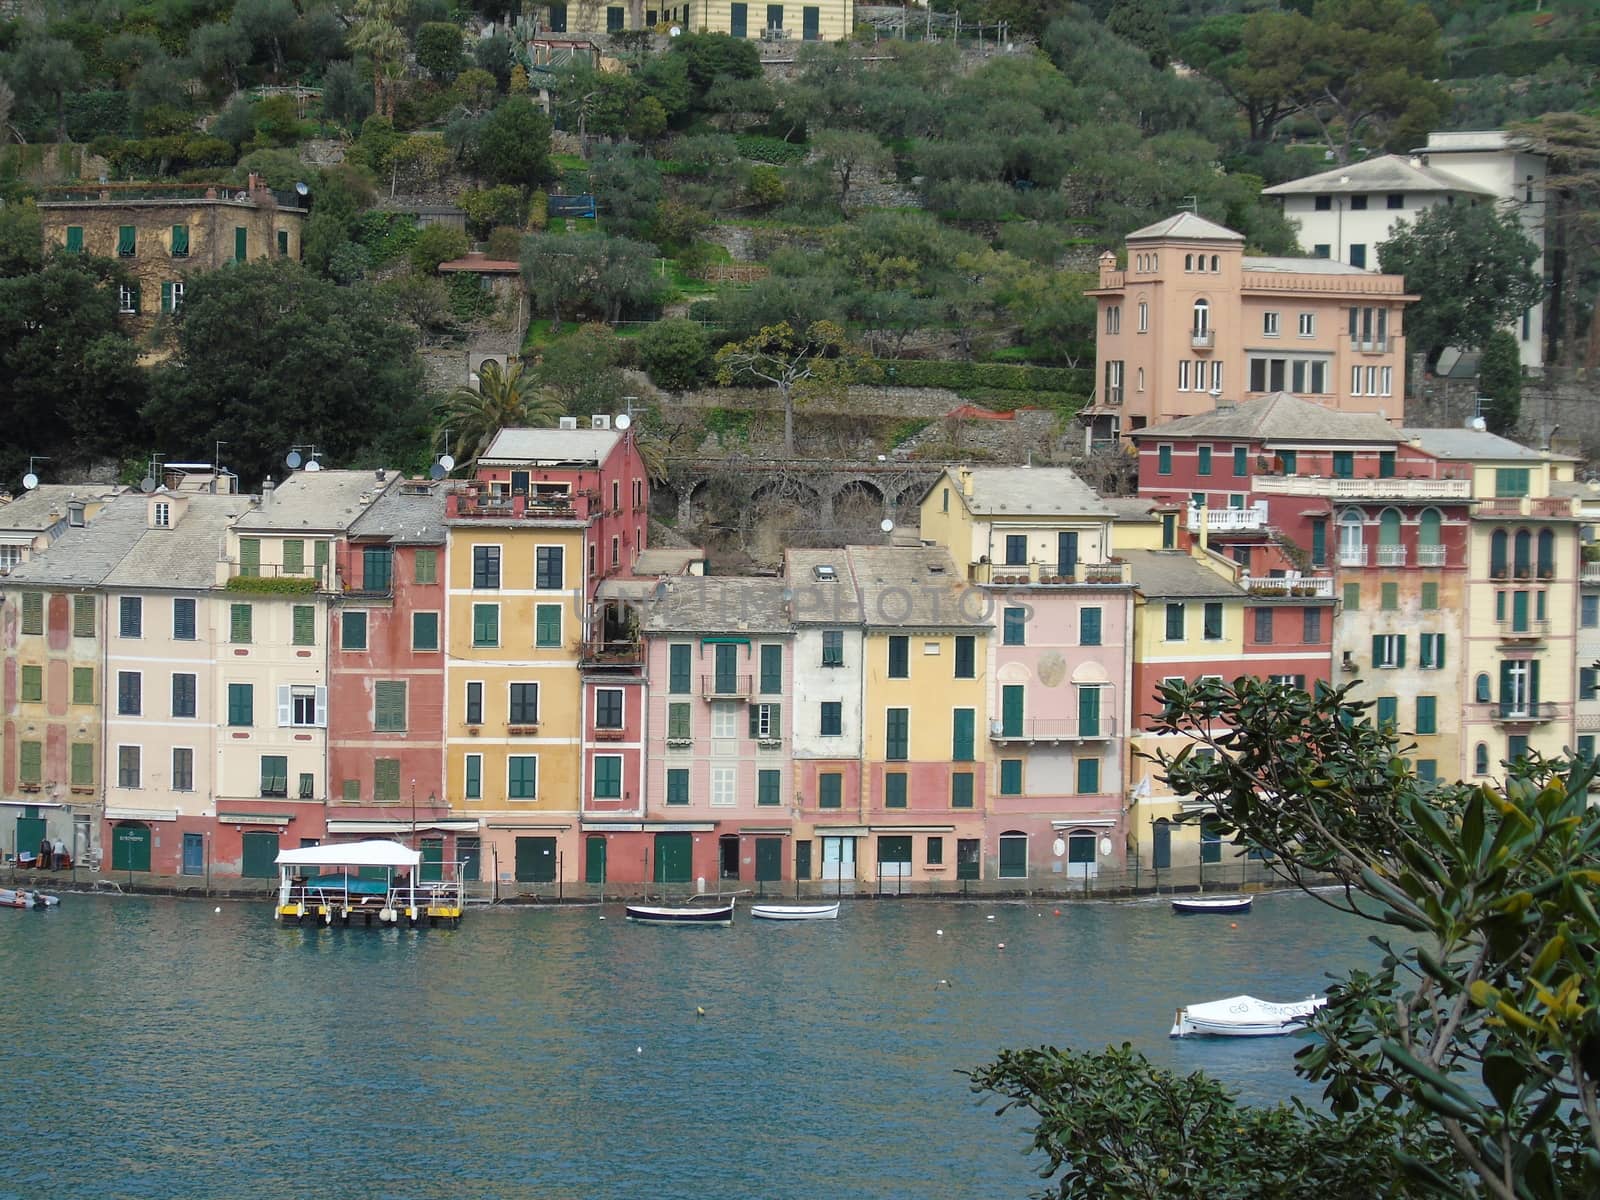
(1244, 1016)
(686, 915)
(1212, 904)
(796, 912)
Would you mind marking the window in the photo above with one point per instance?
(522, 777)
(386, 780)
(283, 243)
(33, 685)
(608, 776)
(128, 772)
(966, 656)
(388, 707)
(830, 789)
(1163, 460)
(1590, 612)
(74, 239)
(1427, 714)
(1308, 325)
(1014, 626)
(766, 721)
(1212, 626)
(774, 16)
(1088, 776)
(678, 718)
(899, 657)
(769, 788)
(241, 620)
(548, 568)
(485, 624)
(1358, 250)
(1389, 597)
(353, 630)
(1322, 203)
(523, 704)
(961, 736)
(894, 789)
(961, 789)
(1144, 316)
(1089, 626)
(377, 568)
(33, 612)
(1203, 460)
(1175, 623)
(1389, 651)
(1430, 597)
(425, 566)
(1588, 683)
(1113, 318)
(183, 694)
(30, 762)
(472, 780)
(83, 685)
(1269, 324)
(1311, 625)
(897, 734)
(425, 631)
(275, 775)
(608, 708)
(241, 704)
(1264, 626)
(771, 679)
(171, 301)
(677, 785)
(1011, 777)
(83, 616)
(547, 625)
(1431, 653)
(678, 669)
(127, 241)
(1352, 597)
(832, 718)
(1201, 320)
(1480, 759)
(486, 566)
(130, 689)
(474, 705)
(833, 647)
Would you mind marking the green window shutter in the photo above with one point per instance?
(1427, 714)
(1533, 681)
(30, 762)
(389, 706)
(83, 685)
(678, 670)
(896, 734)
(1011, 777)
(75, 239)
(425, 631)
(961, 789)
(677, 785)
(894, 789)
(1089, 712)
(239, 623)
(137, 295)
(753, 712)
(305, 625)
(547, 625)
(1438, 651)
(961, 736)
(1377, 650)
(294, 556)
(473, 777)
(768, 787)
(127, 241)
(350, 791)
(1389, 597)
(1430, 595)
(1088, 776)
(608, 776)
(1352, 597)
(32, 612)
(83, 616)
(274, 775)
(1164, 460)
(830, 790)
(1089, 627)
(485, 625)
(180, 241)
(386, 780)
(249, 556)
(771, 669)
(427, 566)
(283, 243)
(32, 684)
(241, 704)
(319, 557)
(678, 720)
(241, 243)
(82, 764)
(1400, 651)
(166, 296)
(1387, 712)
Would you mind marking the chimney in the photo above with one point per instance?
(1108, 266)
(267, 487)
(253, 184)
(964, 474)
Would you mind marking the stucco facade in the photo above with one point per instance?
(829, 20)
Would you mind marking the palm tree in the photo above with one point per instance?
(505, 397)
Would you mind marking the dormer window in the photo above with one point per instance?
(161, 515)
(75, 514)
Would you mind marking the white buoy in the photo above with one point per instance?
(218, 908)
(990, 917)
(602, 916)
(939, 932)
(638, 1049)
(1002, 946)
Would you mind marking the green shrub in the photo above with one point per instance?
(769, 149)
(675, 353)
(269, 585)
(385, 235)
(504, 244)
(965, 377)
(436, 244)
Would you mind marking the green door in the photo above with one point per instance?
(470, 851)
(30, 832)
(1089, 712)
(260, 857)
(130, 847)
(1519, 612)
(1210, 841)
(536, 860)
(674, 857)
(1013, 856)
(431, 869)
(727, 669)
(1011, 710)
(769, 859)
(594, 860)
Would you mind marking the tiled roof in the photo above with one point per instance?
(914, 587)
(515, 446)
(1186, 225)
(1131, 508)
(1177, 575)
(38, 510)
(411, 513)
(85, 555)
(1279, 416)
(1301, 266)
(1387, 173)
(325, 501)
(184, 555)
(1017, 491)
(825, 601)
(667, 560)
(1478, 445)
(717, 604)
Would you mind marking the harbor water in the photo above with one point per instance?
(158, 1048)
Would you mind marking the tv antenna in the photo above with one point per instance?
(31, 479)
(148, 483)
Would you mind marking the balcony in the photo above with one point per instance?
(525, 729)
(473, 503)
(1352, 556)
(1377, 346)
(1229, 520)
(243, 577)
(1289, 587)
(1514, 713)
(1052, 729)
(608, 735)
(1202, 339)
(1362, 489)
(1524, 631)
(1391, 556)
(1049, 574)
(727, 687)
(614, 654)
(1591, 572)
(1430, 556)
(1526, 506)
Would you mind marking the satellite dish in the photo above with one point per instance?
(447, 461)
(623, 421)
(147, 485)
(436, 472)
(313, 465)
(300, 189)
(886, 525)
(30, 481)
(292, 459)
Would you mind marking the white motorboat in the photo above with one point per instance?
(1244, 1016)
(1211, 904)
(796, 912)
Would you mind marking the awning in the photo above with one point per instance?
(351, 854)
(766, 830)
(724, 641)
(841, 830)
(529, 825)
(32, 803)
(253, 818)
(1086, 823)
(401, 826)
(913, 829)
(141, 814)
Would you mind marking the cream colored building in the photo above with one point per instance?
(828, 21)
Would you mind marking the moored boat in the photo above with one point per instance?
(796, 912)
(382, 887)
(22, 898)
(1211, 904)
(1244, 1016)
(649, 914)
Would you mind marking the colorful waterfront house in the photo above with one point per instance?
(1519, 657)
(1037, 543)
(1190, 615)
(719, 655)
(386, 681)
(549, 515)
(54, 620)
(1190, 317)
(616, 847)
(1586, 720)
(276, 585)
(826, 717)
(160, 679)
(925, 760)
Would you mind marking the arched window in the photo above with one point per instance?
(1522, 555)
(1352, 549)
(1547, 554)
(1215, 263)
(1141, 379)
(1497, 554)
(1480, 759)
(1013, 854)
(1188, 262)
(1389, 527)
(1202, 317)
(1480, 689)
(1428, 523)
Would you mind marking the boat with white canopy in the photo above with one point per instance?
(366, 883)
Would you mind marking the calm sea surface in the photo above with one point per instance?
(158, 1049)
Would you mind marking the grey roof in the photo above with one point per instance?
(1186, 225)
(85, 555)
(1474, 141)
(1302, 266)
(1127, 509)
(1387, 173)
(814, 601)
(914, 587)
(717, 604)
(1278, 416)
(185, 555)
(667, 560)
(1176, 574)
(410, 514)
(516, 446)
(38, 510)
(1040, 491)
(1475, 444)
(323, 501)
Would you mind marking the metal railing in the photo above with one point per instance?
(1391, 556)
(1525, 712)
(1430, 556)
(1053, 729)
(1532, 630)
(1352, 556)
(1202, 339)
(1290, 586)
(1019, 574)
(1376, 489)
(726, 687)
